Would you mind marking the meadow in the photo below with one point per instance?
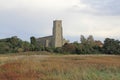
(59, 67)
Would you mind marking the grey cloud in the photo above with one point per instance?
(25, 22)
(104, 7)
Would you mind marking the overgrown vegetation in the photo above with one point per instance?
(61, 68)
(13, 44)
(87, 46)
(90, 46)
(111, 46)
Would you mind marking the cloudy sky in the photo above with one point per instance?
(25, 18)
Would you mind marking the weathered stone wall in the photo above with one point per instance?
(45, 41)
(57, 33)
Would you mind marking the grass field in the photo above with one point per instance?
(59, 67)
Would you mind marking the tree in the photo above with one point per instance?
(26, 46)
(83, 39)
(15, 43)
(111, 46)
(90, 40)
(4, 47)
(69, 48)
(33, 40)
(87, 46)
(34, 46)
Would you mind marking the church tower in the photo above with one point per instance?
(57, 33)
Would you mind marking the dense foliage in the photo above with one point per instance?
(90, 46)
(34, 45)
(87, 46)
(111, 46)
(13, 45)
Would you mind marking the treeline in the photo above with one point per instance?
(86, 46)
(90, 46)
(13, 45)
(16, 45)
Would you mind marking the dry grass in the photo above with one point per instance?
(54, 67)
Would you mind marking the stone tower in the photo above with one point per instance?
(57, 33)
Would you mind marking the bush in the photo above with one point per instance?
(48, 49)
(4, 47)
(58, 50)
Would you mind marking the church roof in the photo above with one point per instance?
(45, 37)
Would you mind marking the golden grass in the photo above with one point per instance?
(65, 67)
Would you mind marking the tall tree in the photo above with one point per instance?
(83, 39)
(111, 46)
(34, 45)
(90, 40)
(33, 40)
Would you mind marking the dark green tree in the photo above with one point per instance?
(4, 47)
(15, 43)
(111, 46)
(34, 46)
(26, 46)
(33, 40)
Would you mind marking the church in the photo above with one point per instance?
(56, 39)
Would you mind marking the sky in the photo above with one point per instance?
(26, 18)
